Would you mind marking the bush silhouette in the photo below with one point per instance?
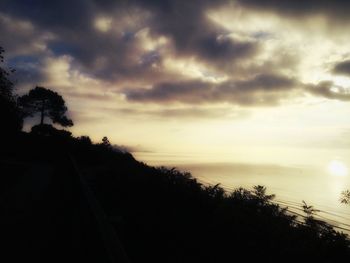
(49, 130)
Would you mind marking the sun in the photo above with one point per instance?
(337, 168)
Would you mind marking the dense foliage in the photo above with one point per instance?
(10, 116)
(165, 215)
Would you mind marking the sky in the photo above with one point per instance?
(248, 81)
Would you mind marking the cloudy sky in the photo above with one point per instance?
(263, 81)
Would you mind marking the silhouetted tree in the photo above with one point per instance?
(106, 143)
(345, 197)
(46, 102)
(9, 112)
(322, 228)
(309, 210)
(260, 193)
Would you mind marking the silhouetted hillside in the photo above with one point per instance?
(161, 214)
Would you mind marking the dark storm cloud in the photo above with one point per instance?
(18, 36)
(263, 90)
(338, 9)
(65, 27)
(184, 22)
(72, 25)
(342, 68)
(267, 89)
(65, 15)
(223, 50)
(189, 112)
(190, 92)
(88, 96)
(23, 50)
(329, 90)
(27, 70)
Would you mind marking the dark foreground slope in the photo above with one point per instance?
(158, 214)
